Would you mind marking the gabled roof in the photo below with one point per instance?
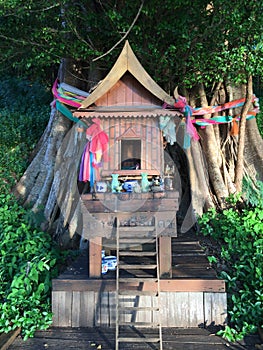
(127, 61)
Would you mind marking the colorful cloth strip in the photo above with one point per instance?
(67, 113)
(66, 98)
(221, 119)
(74, 100)
(220, 108)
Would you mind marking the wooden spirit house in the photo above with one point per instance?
(130, 212)
(128, 105)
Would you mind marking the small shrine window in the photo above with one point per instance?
(130, 154)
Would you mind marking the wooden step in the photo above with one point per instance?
(136, 228)
(186, 254)
(139, 324)
(136, 266)
(133, 292)
(138, 308)
(136, 253)
(138, 340)
(137, 279)
(137, 274)
(137, 248)
(136, 240)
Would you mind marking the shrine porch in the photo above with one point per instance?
(194, 295)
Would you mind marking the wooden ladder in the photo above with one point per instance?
(137, 286)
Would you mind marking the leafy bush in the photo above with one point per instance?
(29, 258)
(27, 264)
(24, 96)
(240, 235)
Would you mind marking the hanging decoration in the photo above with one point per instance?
(227, 105)
(67, 113)
(66, 94)
(168, 128)
(183, 107)
(95, 152)
(190, 113)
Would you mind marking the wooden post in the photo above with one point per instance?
(95, 245)
(165, 256)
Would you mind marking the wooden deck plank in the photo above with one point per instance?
(91, 338)
(6, 339)
(169, 285)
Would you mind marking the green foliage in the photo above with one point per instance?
(181, 42)
(27, 264)
(24, 112)
(240, 235)
(28, 258)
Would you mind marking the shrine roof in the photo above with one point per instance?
(126, 62)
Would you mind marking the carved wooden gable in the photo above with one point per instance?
(128, 92)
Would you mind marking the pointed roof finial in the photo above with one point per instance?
(127, 62)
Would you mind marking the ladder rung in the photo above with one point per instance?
(138, 308)
(136, 228)
(139, 324)
(136, 240)
(137, 279)
(138, 340)
(135, 292)
(134, 266)
(136, 253)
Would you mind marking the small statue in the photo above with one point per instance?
(114, 183)
(168, 183)
(145, 183)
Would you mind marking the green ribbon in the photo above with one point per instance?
(67, 113)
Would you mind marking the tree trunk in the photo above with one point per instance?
(241, 138)
(253, 150)
(202, 199)
(34, 186)
(212, 154)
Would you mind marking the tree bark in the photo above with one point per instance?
(212, 154)
(241, 137)
(199, 179)
(34, 186)
(253, 150)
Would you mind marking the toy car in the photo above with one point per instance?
(108, 263)
(111, 261)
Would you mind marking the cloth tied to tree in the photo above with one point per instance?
(95, 152)
(183, 107)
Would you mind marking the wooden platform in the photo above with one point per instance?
(194, 296)
(103, 338)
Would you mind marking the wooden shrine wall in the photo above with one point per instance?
(145, 129)
(128, 92)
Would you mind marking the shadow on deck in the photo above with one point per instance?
(104, 338)
(194, 296)
(189, 261)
